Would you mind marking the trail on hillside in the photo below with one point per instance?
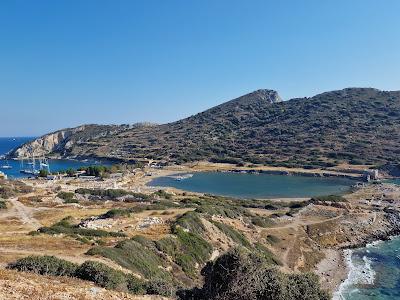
(22, 212)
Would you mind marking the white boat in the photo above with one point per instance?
(183, 177)
(6, 166)
(32, 170)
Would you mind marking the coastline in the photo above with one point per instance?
(337, 270)
(332, 270)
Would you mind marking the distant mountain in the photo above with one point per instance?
(355, 125)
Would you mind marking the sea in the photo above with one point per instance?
(9, 143)
(374, 272)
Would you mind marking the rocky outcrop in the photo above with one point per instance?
(47, 144)
(61, 143)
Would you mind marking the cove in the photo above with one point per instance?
(259, 186)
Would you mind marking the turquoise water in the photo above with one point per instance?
(257, 185)
(395, 181)
(7, 144)
(375, 272)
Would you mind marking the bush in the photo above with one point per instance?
(163, 194)
(137, 255)
(186, 249)
(241, 275)
(65, 227)
(116, 212)
(6, 192)
(261, 221)
(272, 239)
(232, 233)
(44, 265)
(96, 272)
(160, 287)
(68, 197)
(3, 204)
(102, 275)
(190, 221)
(43, 173)
(112, 194)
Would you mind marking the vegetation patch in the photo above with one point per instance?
(44, 265)
(239, 274)
(116, 212)
(190, 221)
(3, 204)
(186, 249)
(233, 234)
(112, 194)
(267, 255)
(65, 227)
(272, 239)
(261, 221)
(67, 197)
(137, 255)
(163, 194)
(95, 272)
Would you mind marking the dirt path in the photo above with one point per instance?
(22, 212)
(297, 222)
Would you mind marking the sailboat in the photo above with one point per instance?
(44, 164)
(32, 169)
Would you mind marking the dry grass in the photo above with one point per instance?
(24, 286)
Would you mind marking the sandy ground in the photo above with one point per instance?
(25, 286)
(332, 269)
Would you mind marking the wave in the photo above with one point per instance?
(360, 273)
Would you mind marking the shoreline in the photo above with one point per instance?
(337, 272)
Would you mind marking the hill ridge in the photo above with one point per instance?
(352, 125)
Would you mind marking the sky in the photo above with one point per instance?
(69, 62)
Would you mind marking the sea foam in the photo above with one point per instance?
(359, 273)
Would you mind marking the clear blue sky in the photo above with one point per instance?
(64, 63)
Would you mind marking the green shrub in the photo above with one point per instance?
(43, 173)
(267, 255)
(160, 287)
(135, 285)
(163, 194)
(65, 227)
(102, 275)
(3, 204)
(135, 256)
(116, 212)
(261, 221)
(6, 192)
(65, 195)
(112, 194)
(44, 265)
(68, 197)
(239, 274)
(186, 249)
(272, 239)
(190, 221)
(304, 287)
(232, 233)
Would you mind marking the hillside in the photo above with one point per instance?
(354, 125)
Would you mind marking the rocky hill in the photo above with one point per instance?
(354, 125)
